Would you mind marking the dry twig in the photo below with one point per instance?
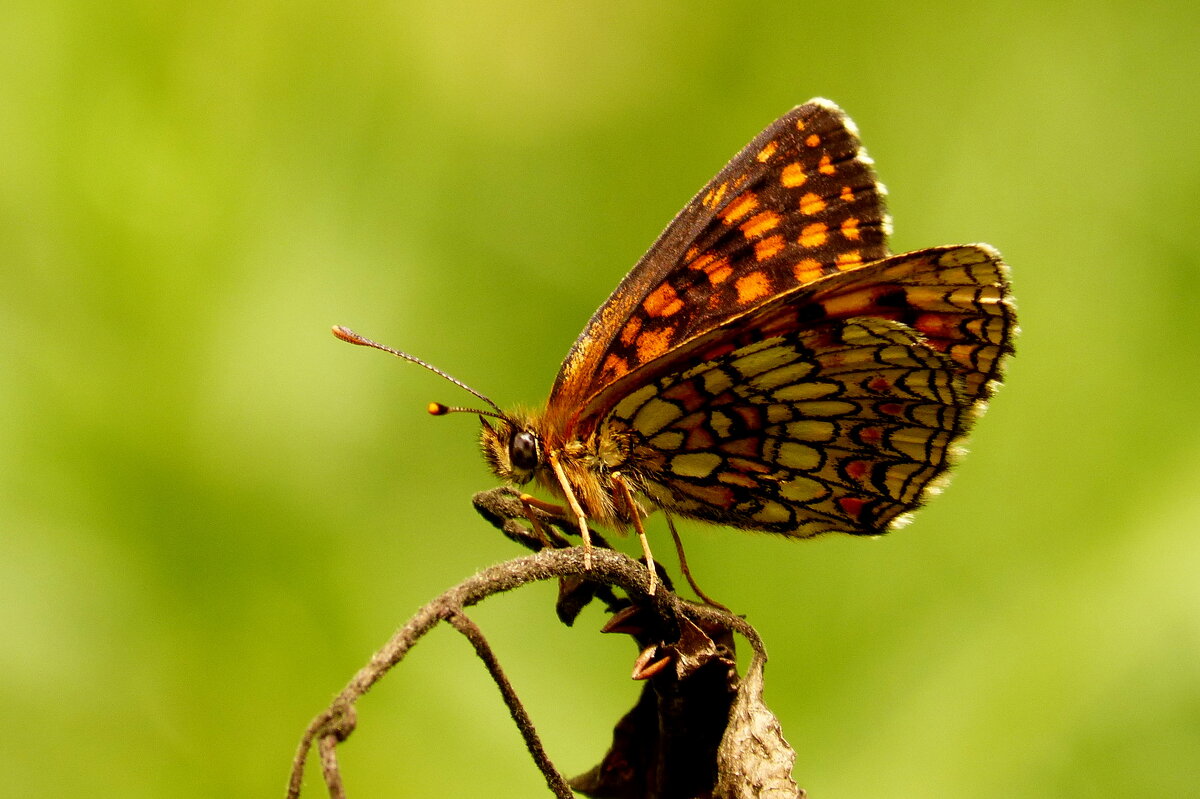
(696, 730)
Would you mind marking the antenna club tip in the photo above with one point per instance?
(437, 409)
(346, 334)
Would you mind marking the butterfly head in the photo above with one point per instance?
(512, 448)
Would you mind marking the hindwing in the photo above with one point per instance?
(835, 407)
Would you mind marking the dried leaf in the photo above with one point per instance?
(667, 745)
(695, 648)
(754, 761)
(574, 594)
(627, 768)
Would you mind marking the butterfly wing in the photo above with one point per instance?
(797, 204)
(767, 365)
(835, 407)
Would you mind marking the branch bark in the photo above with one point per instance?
(666, 627)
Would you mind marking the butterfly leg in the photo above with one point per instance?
(576, 508)
(683, 565)
(531, 504)
(635, 514)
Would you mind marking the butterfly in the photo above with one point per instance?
(768, 364)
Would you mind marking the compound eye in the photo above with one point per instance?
(523, 451)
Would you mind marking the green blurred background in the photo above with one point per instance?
(212, 512)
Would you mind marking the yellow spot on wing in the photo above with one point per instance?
(717, 269)
(751, 287)
(713, 197)
(772, 512)
(716, 381)
(630, 331)
(847, 194)
(653, 343)
(720, 272)
(654, 416)
(630, 405)
(616, 364)
(695, 464)
(811, 204)
(813, 140)
(826, 167)
(814, 235)
(765, 153)
(739, 207)
(797, 456)
(669, 440)
(763, 359)
(807, 270)
(849, 260)
(720, 423)
(802, 489)
(768, 247)
(782, 376)
(850, 228)
(792, 176)
(663, 301)
(810, 430)
(759, 224)
(808, 391)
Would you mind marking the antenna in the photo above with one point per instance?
(435, 408)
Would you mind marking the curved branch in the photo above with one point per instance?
(533, 743)
(607, 567)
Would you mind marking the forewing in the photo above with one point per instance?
(834, 408)
(799, 203)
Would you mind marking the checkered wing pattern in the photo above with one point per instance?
(834, 408)
(769, 365)
(796, 205)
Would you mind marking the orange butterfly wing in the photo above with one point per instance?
(799, 202)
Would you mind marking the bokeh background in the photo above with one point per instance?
(212, 512)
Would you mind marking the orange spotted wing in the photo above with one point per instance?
(799, 202)
(773, 368)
